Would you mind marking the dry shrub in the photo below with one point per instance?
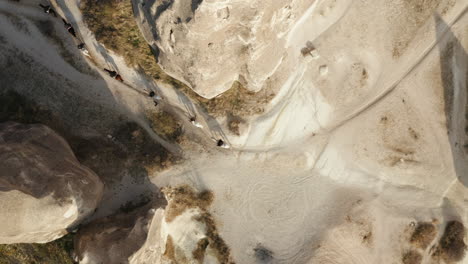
(183, 197)
(199, 252)
(238, 101)
(423, 235)
(166, 125)
(367, 238)
(222, 250)
(411, 257)
(234, 124)
(451, 247)
(114, 25)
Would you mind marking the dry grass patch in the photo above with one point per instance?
(423, 235)
(57, 251)
(451, 247)
(199, 252)
(411, 257)
(184, 197)
(222, 251)
(238, 101)
(169, 252)
(166, 125)
(113, 23)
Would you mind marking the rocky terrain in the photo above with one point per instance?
(292, 131)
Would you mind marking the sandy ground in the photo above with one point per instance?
(346, 157)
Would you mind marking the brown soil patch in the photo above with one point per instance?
(411, 257)
(423, 235)
(451, 247)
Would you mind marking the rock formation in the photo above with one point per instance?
(44, 189)
(211, 44)
(182, 232)
(115, 238)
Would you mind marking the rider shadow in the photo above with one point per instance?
(69, 17)
(454, 76)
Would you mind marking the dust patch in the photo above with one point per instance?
(400, 139)
(363, 227)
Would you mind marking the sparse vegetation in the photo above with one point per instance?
(56, 252)
(113, 24)
(183, 197)
(451, 247)
(223, 253)
(234, 126)
(199, 252)
(411, 257)
(423, 235)
(169, 252)
(165, 125)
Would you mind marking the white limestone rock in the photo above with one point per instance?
(43, 188)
